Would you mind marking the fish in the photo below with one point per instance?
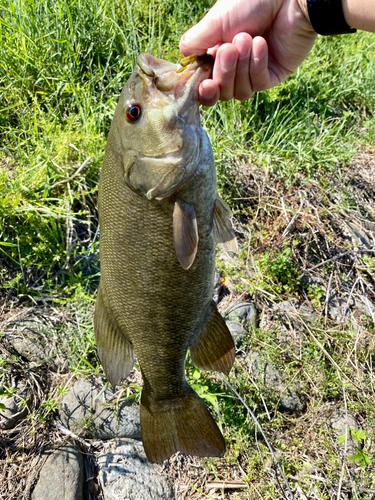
(160, 215)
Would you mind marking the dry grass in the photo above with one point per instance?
(320, 223)
(324, 342)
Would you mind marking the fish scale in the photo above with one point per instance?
(160, 293)
(157, 265)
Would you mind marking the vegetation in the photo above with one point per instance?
(294, 163)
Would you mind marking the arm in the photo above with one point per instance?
(258, 43)
(360, 14)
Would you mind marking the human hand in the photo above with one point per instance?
(256, 45)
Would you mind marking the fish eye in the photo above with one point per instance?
(133, 112)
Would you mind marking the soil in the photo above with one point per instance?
(329, 225)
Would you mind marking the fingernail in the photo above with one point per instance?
(257, 50)
(243, 47)
(209, 91)
(227, 60)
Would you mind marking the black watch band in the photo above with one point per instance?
(327, 17)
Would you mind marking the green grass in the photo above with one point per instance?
(62, 67)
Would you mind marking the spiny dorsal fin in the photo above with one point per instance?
(214, 349)
(185, 233)
(222, 227)
(114, 350)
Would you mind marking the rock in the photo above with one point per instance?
(291, 401)
(87, 412)
(288, 318)
(240, 319)
(341, 422)
(38, 339)
(356, 234)
(36, 350)
(341, 302)
(126, 474)
(295, 311)
(336, 301)
(16, 405)
(61, 477)
(344, 302)
(365, 306)
(217, 287)
(341, 306)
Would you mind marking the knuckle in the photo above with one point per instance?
(259, 84)
(243, 96)
(226, 97)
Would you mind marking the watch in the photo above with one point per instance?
(327, 17)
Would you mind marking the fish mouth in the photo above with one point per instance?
(178, 81)
(175, 88)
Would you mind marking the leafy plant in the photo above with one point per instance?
(315, 294)
(361, 456)
(202, 389)
(6, 391)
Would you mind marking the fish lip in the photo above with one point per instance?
(152, 66)
(190, 76)
(202, 68)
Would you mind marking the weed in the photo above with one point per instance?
(316, 294)
(283, 154)
(361, 456)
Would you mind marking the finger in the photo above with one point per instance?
(207, 33)
(224, 71)
(213, 50)
(259, 73)
(242, 88)
(209, 92)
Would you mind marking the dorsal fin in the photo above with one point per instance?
(222, 227)
(185, 233)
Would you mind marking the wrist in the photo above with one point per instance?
(303, 6)
(346, 11)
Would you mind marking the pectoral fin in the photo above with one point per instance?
(114, 350)
(185, 233)
(222, 227)
(214, 349)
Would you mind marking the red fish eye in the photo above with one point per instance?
(133, 112)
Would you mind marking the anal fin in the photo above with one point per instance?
(222, 227)
(115, 351)
(214, 349)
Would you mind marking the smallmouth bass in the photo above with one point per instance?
(159, 213)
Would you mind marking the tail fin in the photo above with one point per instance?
(182, 424)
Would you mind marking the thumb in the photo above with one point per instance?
(204, 35)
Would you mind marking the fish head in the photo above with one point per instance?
(156, 127)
